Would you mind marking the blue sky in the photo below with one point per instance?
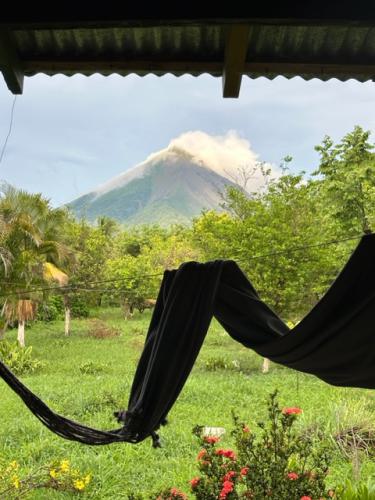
(72, 134)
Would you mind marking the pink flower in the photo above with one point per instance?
(244, 471)
(306, 498)
(201, 454)
(293, 476)
(194, 482)
(294, 410)
(246, 429)
(211, 439)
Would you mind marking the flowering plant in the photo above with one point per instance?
(280, 463)
(56, 476)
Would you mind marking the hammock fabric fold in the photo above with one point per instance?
(335, 341)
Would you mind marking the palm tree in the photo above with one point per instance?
(31, 237)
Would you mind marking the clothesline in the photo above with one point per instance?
(76, 287)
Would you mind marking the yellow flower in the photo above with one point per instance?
(53, 473)
(16, 482)
(64, 465)
(14, 465)
(87, 479)
(79, 484)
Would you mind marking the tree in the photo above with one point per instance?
(348, 173)
(31, 235)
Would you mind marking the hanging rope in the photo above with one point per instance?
(9, 130)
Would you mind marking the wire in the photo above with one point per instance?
(10, 129)
(112, 280)
(297, 249)
(76, 287)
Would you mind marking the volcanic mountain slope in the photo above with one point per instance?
(171, 186)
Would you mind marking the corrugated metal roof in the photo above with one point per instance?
(334, 50)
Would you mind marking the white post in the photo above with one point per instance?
(21, 333)
(266, 365)
(67, 321)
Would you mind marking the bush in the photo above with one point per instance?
(51, 309)
(58, 476)
(79, 307)
(279, 463)
(18, 359)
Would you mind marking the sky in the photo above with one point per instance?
(70, 135)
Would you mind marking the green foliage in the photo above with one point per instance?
(51, 309)
(280, 463)
(57, 476)
(352, 491)
(348, 171)
(91, 368)
(18, 359)
(79, 306)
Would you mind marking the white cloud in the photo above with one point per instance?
(228, 155)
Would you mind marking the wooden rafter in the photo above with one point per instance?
(10, 64)
(236, 45)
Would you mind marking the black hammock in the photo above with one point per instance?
(335, 341)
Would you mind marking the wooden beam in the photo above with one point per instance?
(10, 64)
(236, 45)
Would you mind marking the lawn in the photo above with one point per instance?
(87, 378)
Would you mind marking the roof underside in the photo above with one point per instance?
(225, 48)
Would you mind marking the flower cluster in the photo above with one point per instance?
(58, 476)
(279, 463)
(64, 477)
(171, 494)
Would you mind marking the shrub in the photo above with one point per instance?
(56, 476)
(51, 309)
(279, 463)
(18, 359)
(79, 307)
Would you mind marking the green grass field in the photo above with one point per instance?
(208, 398)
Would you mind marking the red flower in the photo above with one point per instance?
(194, 482)
(246, 429)
(306, 498)
(211, 439)
(293, 476)
(294, 410)
(228, 476)
(244, 471)
(227, 488)
(201, 454)
(226, 453)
